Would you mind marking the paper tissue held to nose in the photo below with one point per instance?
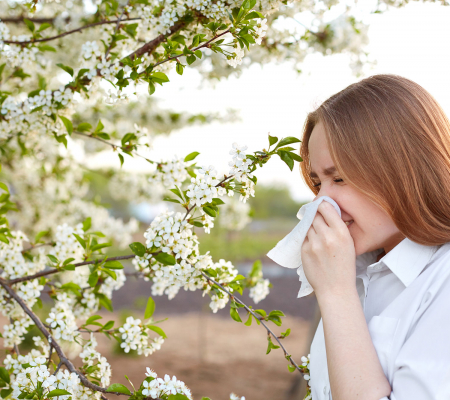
(288, 251)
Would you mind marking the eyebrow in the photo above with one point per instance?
(326, 172)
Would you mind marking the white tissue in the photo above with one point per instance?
(288, 251)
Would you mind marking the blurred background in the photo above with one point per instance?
(213, 354)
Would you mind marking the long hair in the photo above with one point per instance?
(390, 139)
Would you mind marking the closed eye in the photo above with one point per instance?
(335, 180)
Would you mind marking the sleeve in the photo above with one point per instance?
(422, 366)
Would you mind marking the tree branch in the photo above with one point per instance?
(56, 270)
(269, 331)
(63, 358)
(69, 32)
(149, 47)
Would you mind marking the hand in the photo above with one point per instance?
(328, 253)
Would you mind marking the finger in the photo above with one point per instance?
(319, 224)
(329, 214)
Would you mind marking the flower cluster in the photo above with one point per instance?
(100, 368)
(38, 376)
(61, 319)
(240, 167)
(260, 290)
(306, 376)
(204, 188)
(67, 246)
(156, 388)
(135, 337)
(236, 397)
(14, 263)
(171, 173)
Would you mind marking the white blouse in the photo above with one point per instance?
(406, 302)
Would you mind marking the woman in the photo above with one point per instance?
(381, 149)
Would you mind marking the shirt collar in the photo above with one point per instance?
(406, 260)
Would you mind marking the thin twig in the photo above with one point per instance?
(50, 355)
(68, 32)
(115, 30)
(56, 270)
(269, 331)
(36, 246)
(58, 367)
(114, 146)
(206, 44)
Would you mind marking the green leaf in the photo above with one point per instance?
(58, 392)
(108, 326)
(87, 224)
(287, 333)
(4, 375)
(4, 187)
(197, 224)
(165, 258)
(105, 301)
(270, 345)
(150, 308)
(177, 192)
(291, 368)
(235, 315)
(66, 68)
(40, 235)
(68, 124)
(90, 320)
(287, 140)
(80, 240)
(3, 238)
(217, 201)
(100, 246)
(253, 15)
(209, 211)
(171, 200)
(295, 157)
(160, 77)
(5, 393)
(29, 24)
(118, 388)
(111, 273)
(276, 313)
(158, 330)
(84, 126)
(121, 159)
(44, 26)
(180, 68)
(113, 265)
(138, 249)
(285, 156)
(151, 88)
(52, 258)
(177, 396)
(93, 279)
(249, 320)
(190, 59)
(191, 156)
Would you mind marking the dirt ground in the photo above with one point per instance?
(215, 356)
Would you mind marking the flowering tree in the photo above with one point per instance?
(64, 68)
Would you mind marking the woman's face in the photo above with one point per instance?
(372, 228)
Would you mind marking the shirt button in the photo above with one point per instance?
(324, 390)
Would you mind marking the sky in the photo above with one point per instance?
(411, 41)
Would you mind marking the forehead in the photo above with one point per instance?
(319, 156)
